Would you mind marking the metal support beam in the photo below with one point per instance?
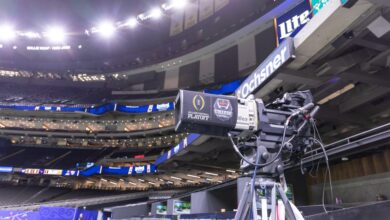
(331, 113)
(358, 98)
(370, 45)
(348, 144)
(381, 78)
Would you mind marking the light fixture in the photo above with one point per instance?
(141, 180)
(103, 180)
(113, 183)
(230, 171)
(336, 94)
(7, 33)
(132, 183)
(106, 29)
(176, 178)
(212, 174)
(179, 4)
(132, 22)
(156, 13)
(193, 176)
(55, 34)
(152, 183)
(31, 35)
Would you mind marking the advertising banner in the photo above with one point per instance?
(290, 23)
(267, 69)
(181, 207)
(54, 172)
(70, 173)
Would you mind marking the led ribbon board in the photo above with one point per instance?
(267, 69)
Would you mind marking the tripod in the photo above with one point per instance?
(261, 192)
(262, 196)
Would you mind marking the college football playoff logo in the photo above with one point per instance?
(198, 103)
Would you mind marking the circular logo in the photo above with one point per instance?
(198, 102)
(223, 109)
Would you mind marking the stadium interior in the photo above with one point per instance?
(88, 95)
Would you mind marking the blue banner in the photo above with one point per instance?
(96, 110)
(116, 170)
(226, 88)
(65, 213)
(5, 169)
(173, 151)
(70, 172)
(97, 169)
(135, 170)
(19, 215)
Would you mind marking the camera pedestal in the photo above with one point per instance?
(263, 197)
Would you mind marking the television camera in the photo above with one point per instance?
(265, 136)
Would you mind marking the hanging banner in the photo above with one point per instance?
(206, 9)
(191, 14)
(219, 4)
(176, 23)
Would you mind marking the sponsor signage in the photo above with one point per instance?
(139, 169)
(32, 171)
(267, 69)
(54, 172)
(163, 107)
(317, 5)
(290, 23)
(70, 173)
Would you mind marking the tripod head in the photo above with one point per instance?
(283, 135)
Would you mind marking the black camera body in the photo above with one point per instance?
(258, 128)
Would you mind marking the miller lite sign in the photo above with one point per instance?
(290, 23)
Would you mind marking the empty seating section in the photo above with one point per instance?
(20, 195)
(50, 95)
(46, 157)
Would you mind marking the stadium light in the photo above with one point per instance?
(55, 34)
(132, 22)
(31, 35)
(212, 174)
(176, 178)
(179, 4)
(7, 33)
(156, 13)
(193, 176)
(106, 29)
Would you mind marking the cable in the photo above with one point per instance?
(277, 155)
(327, 172)
(254, 180)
